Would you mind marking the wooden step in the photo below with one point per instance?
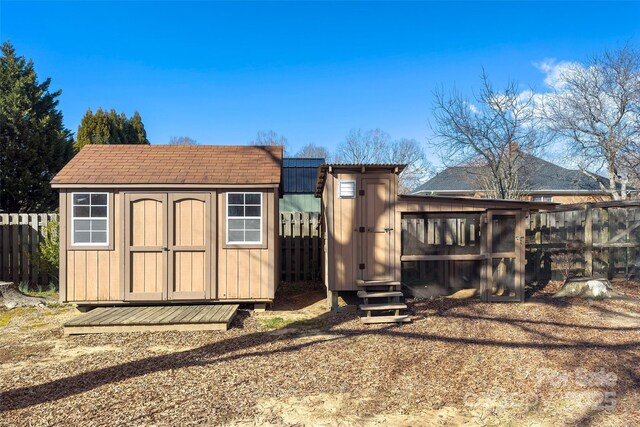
(381, 294)
(386, 319)
(365, 283)
(383, 306)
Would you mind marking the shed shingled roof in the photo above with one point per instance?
(169, 164)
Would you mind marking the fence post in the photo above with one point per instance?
(588, 241)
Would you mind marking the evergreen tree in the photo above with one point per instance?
(34, 144)
(110, 128)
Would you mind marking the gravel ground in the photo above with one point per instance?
(460, 362)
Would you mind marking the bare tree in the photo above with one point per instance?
(363, 147)
(376, 146)
(596, 109)
(493, 130)
(182, 140)
(310, 151)
(271, 138)
(409, 152)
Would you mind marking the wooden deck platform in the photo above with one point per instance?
(206, 317)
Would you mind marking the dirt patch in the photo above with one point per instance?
(340, 410)
(461, 362)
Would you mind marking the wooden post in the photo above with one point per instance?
(588, 241)
(332, 300)
(604, 238)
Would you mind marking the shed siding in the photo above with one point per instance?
(94, 275)
(97, 275)
(248, 273)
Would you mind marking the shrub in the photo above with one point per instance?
(48, 256)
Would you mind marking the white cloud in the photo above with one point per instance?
(555, 71)
(472, 108)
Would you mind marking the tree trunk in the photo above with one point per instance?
(11, 297)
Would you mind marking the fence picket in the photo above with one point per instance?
(590, 229)
(20, 237)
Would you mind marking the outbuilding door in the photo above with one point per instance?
(505, 263)
(168, 246)
(378, 218)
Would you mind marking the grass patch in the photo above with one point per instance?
(33, 325)
(5, 318)
(276, 323)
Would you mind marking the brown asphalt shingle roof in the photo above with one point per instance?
(170, 164)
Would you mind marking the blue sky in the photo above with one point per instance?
(219, 72)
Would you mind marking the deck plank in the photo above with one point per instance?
(202, 313)
(153, 318)
(224, 313)
(209, 314)
(102, 313)
(140, 314)
(178, 314)
(197, 310)
(115, 314)
(150, 316)
(90, 315)
(163, 314)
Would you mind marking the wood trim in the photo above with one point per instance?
(165, 187)
(110, 220)
(458, 257)
(62, 269)
(212, 265)
(272, 211)
(264, 217)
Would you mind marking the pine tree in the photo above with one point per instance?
(110, 128)
(34, 144)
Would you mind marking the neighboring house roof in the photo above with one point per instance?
(299, 175)
(171, 164)
(540, 176)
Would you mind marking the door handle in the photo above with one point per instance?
(165, 249)
(386, 230)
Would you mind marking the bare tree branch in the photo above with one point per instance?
(596, 110)
(492, 131)
(182, 140)
(271, 138)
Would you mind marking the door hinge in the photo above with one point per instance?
(361, 266)
(361, 192)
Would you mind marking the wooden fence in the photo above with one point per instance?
(604, 238)
(301, 246)
(20, 236)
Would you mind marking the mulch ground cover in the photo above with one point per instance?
(460, 362)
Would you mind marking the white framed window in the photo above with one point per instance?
(89, 219)
(347, 189)
(244, 218)
(543, 198)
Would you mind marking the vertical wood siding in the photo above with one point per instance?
(248, 273)
(93, 275)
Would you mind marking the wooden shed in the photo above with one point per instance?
(376, 239)
(163, 224)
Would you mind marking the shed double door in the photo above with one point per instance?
(168, 246)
